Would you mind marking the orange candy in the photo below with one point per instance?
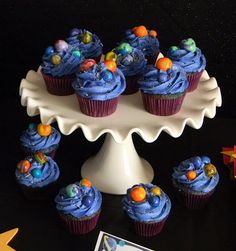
(138, 194)
(44, 130)
(140, 31)
(24, 166)
(164, 64)
(191, 175)
(152, 33)
(86, 183)
(111, 65)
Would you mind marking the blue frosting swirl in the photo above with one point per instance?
(74, 206)
(133, 63)
(145, 211)
(92, 84)
(155, 81)
(31, 141)
(50, 173)
(68, 65)
(190, 61)
(202, 182)
(149, 45)
(89, 50)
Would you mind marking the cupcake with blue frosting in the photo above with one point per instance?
(131, 62)
(59, 65)
(37, 176)
(195, 180)
(79, 206)
(163, 87)
(148, 207)
(145, 40)
(40, 138)
(191, 58)
(87, 42)
(98, 87)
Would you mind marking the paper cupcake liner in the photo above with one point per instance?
(161, 106)
(193, 79)
(152, 58)
(80, 226)
(131, 85)
(149, 229)
(97, 108)
(59, 86)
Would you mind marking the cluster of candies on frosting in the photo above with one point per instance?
(24, 165)
(74, 190)
(57, 51)
(163, 64)
(198, 163)
(85, 37)
(186, 44)
(138, 194)
(141, 31)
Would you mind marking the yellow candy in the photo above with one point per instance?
(111, 55)
(210, 170)
(56, 59)
(156, 190)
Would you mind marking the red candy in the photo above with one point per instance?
(87, 64)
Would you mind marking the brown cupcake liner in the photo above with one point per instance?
(59, 86)
(161, 106)
(193, 79)
(149, 229)
(80, 226)
(97, 108)
(131, 85)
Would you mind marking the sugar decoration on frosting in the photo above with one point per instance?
(44, 130)
(186, 44)
(141, 31)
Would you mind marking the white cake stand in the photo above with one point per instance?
(117, 165)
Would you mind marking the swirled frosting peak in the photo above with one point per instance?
(102, 81)
(78, 200)
(196, 173)
(188, 55)
(61, 59)
(146, 203)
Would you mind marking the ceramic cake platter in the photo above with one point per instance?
(117, 166)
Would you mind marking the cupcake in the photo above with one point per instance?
(88, 43)
(131, 62)
(58, 68)
(145, 40)
(98, 87)
(163, 87)
(40, 138)
(148, 208)
(195, 180)
(191, 59)
(79, 206)
(37, 176)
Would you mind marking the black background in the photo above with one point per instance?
(28, 27)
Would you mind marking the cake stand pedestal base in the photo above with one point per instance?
(117, 167)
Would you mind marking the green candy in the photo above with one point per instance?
(174, 48)
(76, 53)
(71, 190)
(124, 48)
(188, 44)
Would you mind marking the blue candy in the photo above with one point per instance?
(36, 173)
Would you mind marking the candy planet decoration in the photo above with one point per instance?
(86, 38)
(191, 175)
(61, 46)
(164, 64)
(44, 130)
(24, 166)
(138, 194)
(107, 76)
(49, 51)
(188, 44)
(86, 183)
(72, 190)
(76, 53)
(140, 31)
(111, 65)
(156, 190)
(87, 200)
(153, 33)
(124, 48)
(87, 64)
(36, 172)
(56, 59)
(210, 170)
(40, 157)
(111, 55)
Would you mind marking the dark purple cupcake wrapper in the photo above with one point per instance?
(79, 226)
(149, 229)
(162, 106)
(97, 108)
(131, 85)
(193, 79)
(59, 86)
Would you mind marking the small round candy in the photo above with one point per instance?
(56, 59)
(111, 55)
(86, 183)
(32, 126)
(210, 170)
(24, 166)
(72, 190)
(140, 31)
(138, 194)
(156, 190)
(188, 44)
(124, 48)
(152, 33)
(49, 51)
(191, 175)
(111, 65)
(197, 161)
(76, 53)
(36, 173)
(205, 160)
(87, 64)
(87, 200)
(107, 76)
(164, 64)
(61, 46)
(86, 38)
(163, 77)
(173, 48)
(154, 201)
(40, 157)
(44, 130)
